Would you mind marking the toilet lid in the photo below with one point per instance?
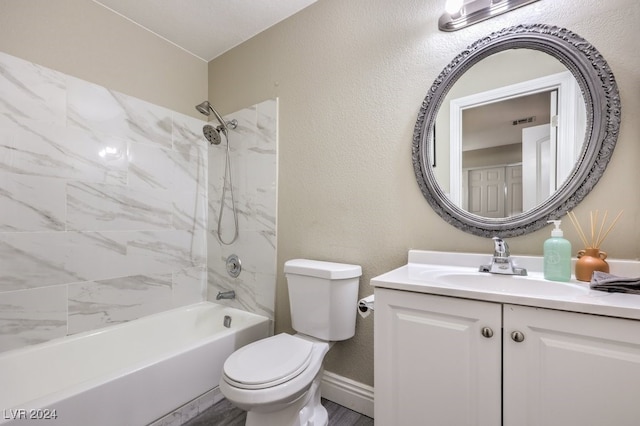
(268, 362)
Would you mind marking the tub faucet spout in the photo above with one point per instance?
(226, 295)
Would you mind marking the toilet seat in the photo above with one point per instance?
(268, 362)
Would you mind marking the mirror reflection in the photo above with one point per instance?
(508, 134)
(581, 98)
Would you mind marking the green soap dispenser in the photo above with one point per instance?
(557, 255)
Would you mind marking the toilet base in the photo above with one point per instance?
(306, 410)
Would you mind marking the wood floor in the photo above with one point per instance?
(225, 414)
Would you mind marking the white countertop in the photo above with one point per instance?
(425, 270)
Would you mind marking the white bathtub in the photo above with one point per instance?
(128, 374)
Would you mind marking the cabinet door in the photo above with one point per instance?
(433, 366)
(570, 369)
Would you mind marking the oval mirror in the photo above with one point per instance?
(516, 130)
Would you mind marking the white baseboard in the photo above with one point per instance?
(354, 395)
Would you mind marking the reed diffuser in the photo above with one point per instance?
(591, 258)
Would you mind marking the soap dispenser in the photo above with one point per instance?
(557, 255)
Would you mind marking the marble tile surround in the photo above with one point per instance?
(253, 153)
(103, 206)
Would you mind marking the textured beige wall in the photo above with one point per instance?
(351, 76)
(83, 39)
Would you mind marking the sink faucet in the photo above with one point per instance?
(501, 263)
(226, 295)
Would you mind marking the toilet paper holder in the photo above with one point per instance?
(366, 305)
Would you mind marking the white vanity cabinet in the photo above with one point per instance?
(433, 366)
(570, 369)
(443, 360)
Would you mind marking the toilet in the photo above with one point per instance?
(277, 379)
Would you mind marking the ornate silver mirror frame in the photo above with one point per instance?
(602, 102)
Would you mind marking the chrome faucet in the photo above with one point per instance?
(226, 295)
(501, 263)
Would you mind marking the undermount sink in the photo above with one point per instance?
(532, 285)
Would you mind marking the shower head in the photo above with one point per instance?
(212, 134)
(203, 108)
(206, 108)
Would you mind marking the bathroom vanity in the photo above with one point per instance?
(454, 346)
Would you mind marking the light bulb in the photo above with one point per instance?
(453, 6)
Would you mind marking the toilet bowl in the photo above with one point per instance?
(277, 379)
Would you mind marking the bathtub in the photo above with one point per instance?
(128, 374)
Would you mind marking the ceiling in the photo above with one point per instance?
(492, 124)
(206, 28)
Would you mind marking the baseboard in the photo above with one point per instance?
(354, 395)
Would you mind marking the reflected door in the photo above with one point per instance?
(495, 191)
(513, 179)
(538, 165)
(487, 192)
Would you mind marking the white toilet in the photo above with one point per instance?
(277, 379)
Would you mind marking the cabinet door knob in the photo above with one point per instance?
(517, 336)
(487, 332)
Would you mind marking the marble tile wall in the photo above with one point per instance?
(103, 206)
(253, 149)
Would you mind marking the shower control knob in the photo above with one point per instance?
(487, 332)
(517, 336)
(234, 266)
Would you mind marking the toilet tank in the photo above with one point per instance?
(323, 298)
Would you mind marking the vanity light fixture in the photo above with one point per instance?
(454, 7)
(462, 13)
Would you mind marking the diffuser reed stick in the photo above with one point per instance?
(578, 228)
(602, 226)
(599, 242)
(596, 238)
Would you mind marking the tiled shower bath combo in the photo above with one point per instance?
(104, 204)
